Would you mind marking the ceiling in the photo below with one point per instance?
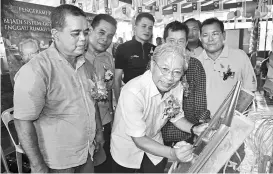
(117, 12)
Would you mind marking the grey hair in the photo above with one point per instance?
(25, 41)
(171, 50)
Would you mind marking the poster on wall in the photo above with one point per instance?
(21, 21)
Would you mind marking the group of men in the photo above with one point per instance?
(61, 126)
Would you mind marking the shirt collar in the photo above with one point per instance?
(91, 56)
(224, 53)
(135, 41)
(149, 78)
(80, 61)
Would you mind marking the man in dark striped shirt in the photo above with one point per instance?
(195, 102)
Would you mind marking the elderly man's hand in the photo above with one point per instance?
(182, 151)
(197, 130)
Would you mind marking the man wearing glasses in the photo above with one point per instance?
(224, 66)
(195, 102)
(146, 103)
(28, 48)
(53, 109)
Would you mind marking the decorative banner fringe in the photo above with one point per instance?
(137, 3)
(177, 12)
(97, 5)
(139, 9)
(94, 6)
(196, 9)
(216, 4)
(62, 2)
(244, 11)
(254, 36)
(124, 10)
(105, 3)
(163, 3)
(158, 13)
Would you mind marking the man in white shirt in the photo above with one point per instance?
(223, 65)
(146, 103)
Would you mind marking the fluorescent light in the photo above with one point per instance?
(207, 3)
(148, 2)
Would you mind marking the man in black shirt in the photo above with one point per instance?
(133, 56)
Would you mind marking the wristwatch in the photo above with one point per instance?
(196, 124)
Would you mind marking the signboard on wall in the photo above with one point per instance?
(20, 21)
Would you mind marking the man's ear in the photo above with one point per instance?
(134, 29)
(152, 64)
(91, 29)
(55, 34)
(224, 35)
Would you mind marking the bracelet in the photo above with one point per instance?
(100, 130)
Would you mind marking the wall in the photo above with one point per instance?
(232, 38)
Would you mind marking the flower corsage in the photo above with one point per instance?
(228, 73)
(109, 75)
(225, 70)
(99, 90)
(172, 107)
(186, 86)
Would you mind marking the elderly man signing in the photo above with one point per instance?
(146, 103)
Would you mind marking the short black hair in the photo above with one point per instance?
(158, 38)
(175, 26)
(144, 15)
(59, 13)
(105, 17)
(210, 21)
(194, 20)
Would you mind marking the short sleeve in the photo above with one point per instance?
(120, 61)
(249, 77)
(133, 114)
(29, 94)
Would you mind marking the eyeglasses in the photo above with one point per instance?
(166, 71)
(214, 34)
(179, 42)
(30, 54)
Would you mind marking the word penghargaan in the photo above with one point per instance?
(34, 11)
